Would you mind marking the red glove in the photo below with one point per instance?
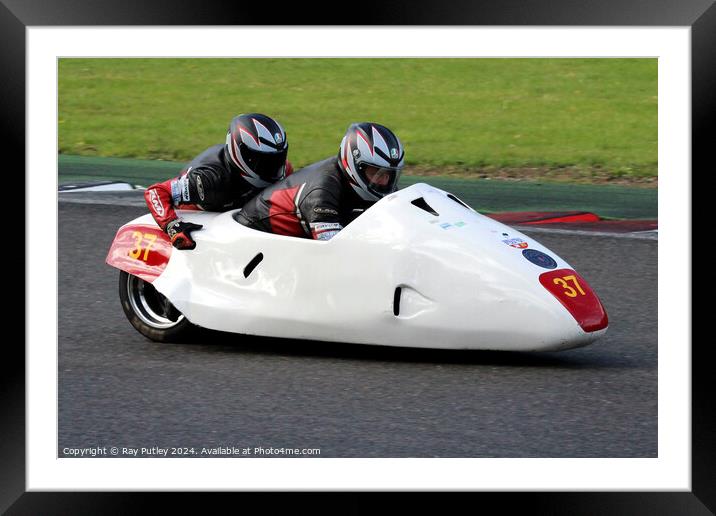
(180, 233)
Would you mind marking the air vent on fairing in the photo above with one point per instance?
(408, 302)
(252, 264)
(451, 196)
(396, 302)
(423, 205)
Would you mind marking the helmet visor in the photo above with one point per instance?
(380, 180)
(269, 166)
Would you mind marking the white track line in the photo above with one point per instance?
(638, 235)
(112, 201)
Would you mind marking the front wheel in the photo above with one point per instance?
(150, 312)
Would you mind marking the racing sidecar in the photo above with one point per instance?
(419, 268)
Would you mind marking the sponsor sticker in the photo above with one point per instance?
(394, 153)
(325, 230)
(277, 138)
(539, 258)
(156, 202)
(517, 243)
(185, 189)
(323, 226)
(448, 225)
(199, 187)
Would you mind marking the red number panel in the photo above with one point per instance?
(140, 250)
(577, 297)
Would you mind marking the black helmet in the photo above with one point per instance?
(372, 158)
(256, 144)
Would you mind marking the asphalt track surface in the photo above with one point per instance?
(117, 388)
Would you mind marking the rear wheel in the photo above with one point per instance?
(150, 312)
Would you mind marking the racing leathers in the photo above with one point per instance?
(313, 202)
(209, 182)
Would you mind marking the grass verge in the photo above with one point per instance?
(579, 119)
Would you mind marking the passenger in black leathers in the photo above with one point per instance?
(222, 177)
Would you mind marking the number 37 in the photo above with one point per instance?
(139, 237)
(568, 290)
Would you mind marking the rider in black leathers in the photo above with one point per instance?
(321, 199)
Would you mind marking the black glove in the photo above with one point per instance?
(180, 233)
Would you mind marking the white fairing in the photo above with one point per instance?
(461, 286)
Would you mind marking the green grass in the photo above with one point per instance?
(587, 114)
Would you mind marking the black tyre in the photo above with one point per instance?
(151, 313)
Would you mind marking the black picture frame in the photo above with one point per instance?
(700, 15)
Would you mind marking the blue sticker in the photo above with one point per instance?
(176, 191)
(448, 225)
(539, 258)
